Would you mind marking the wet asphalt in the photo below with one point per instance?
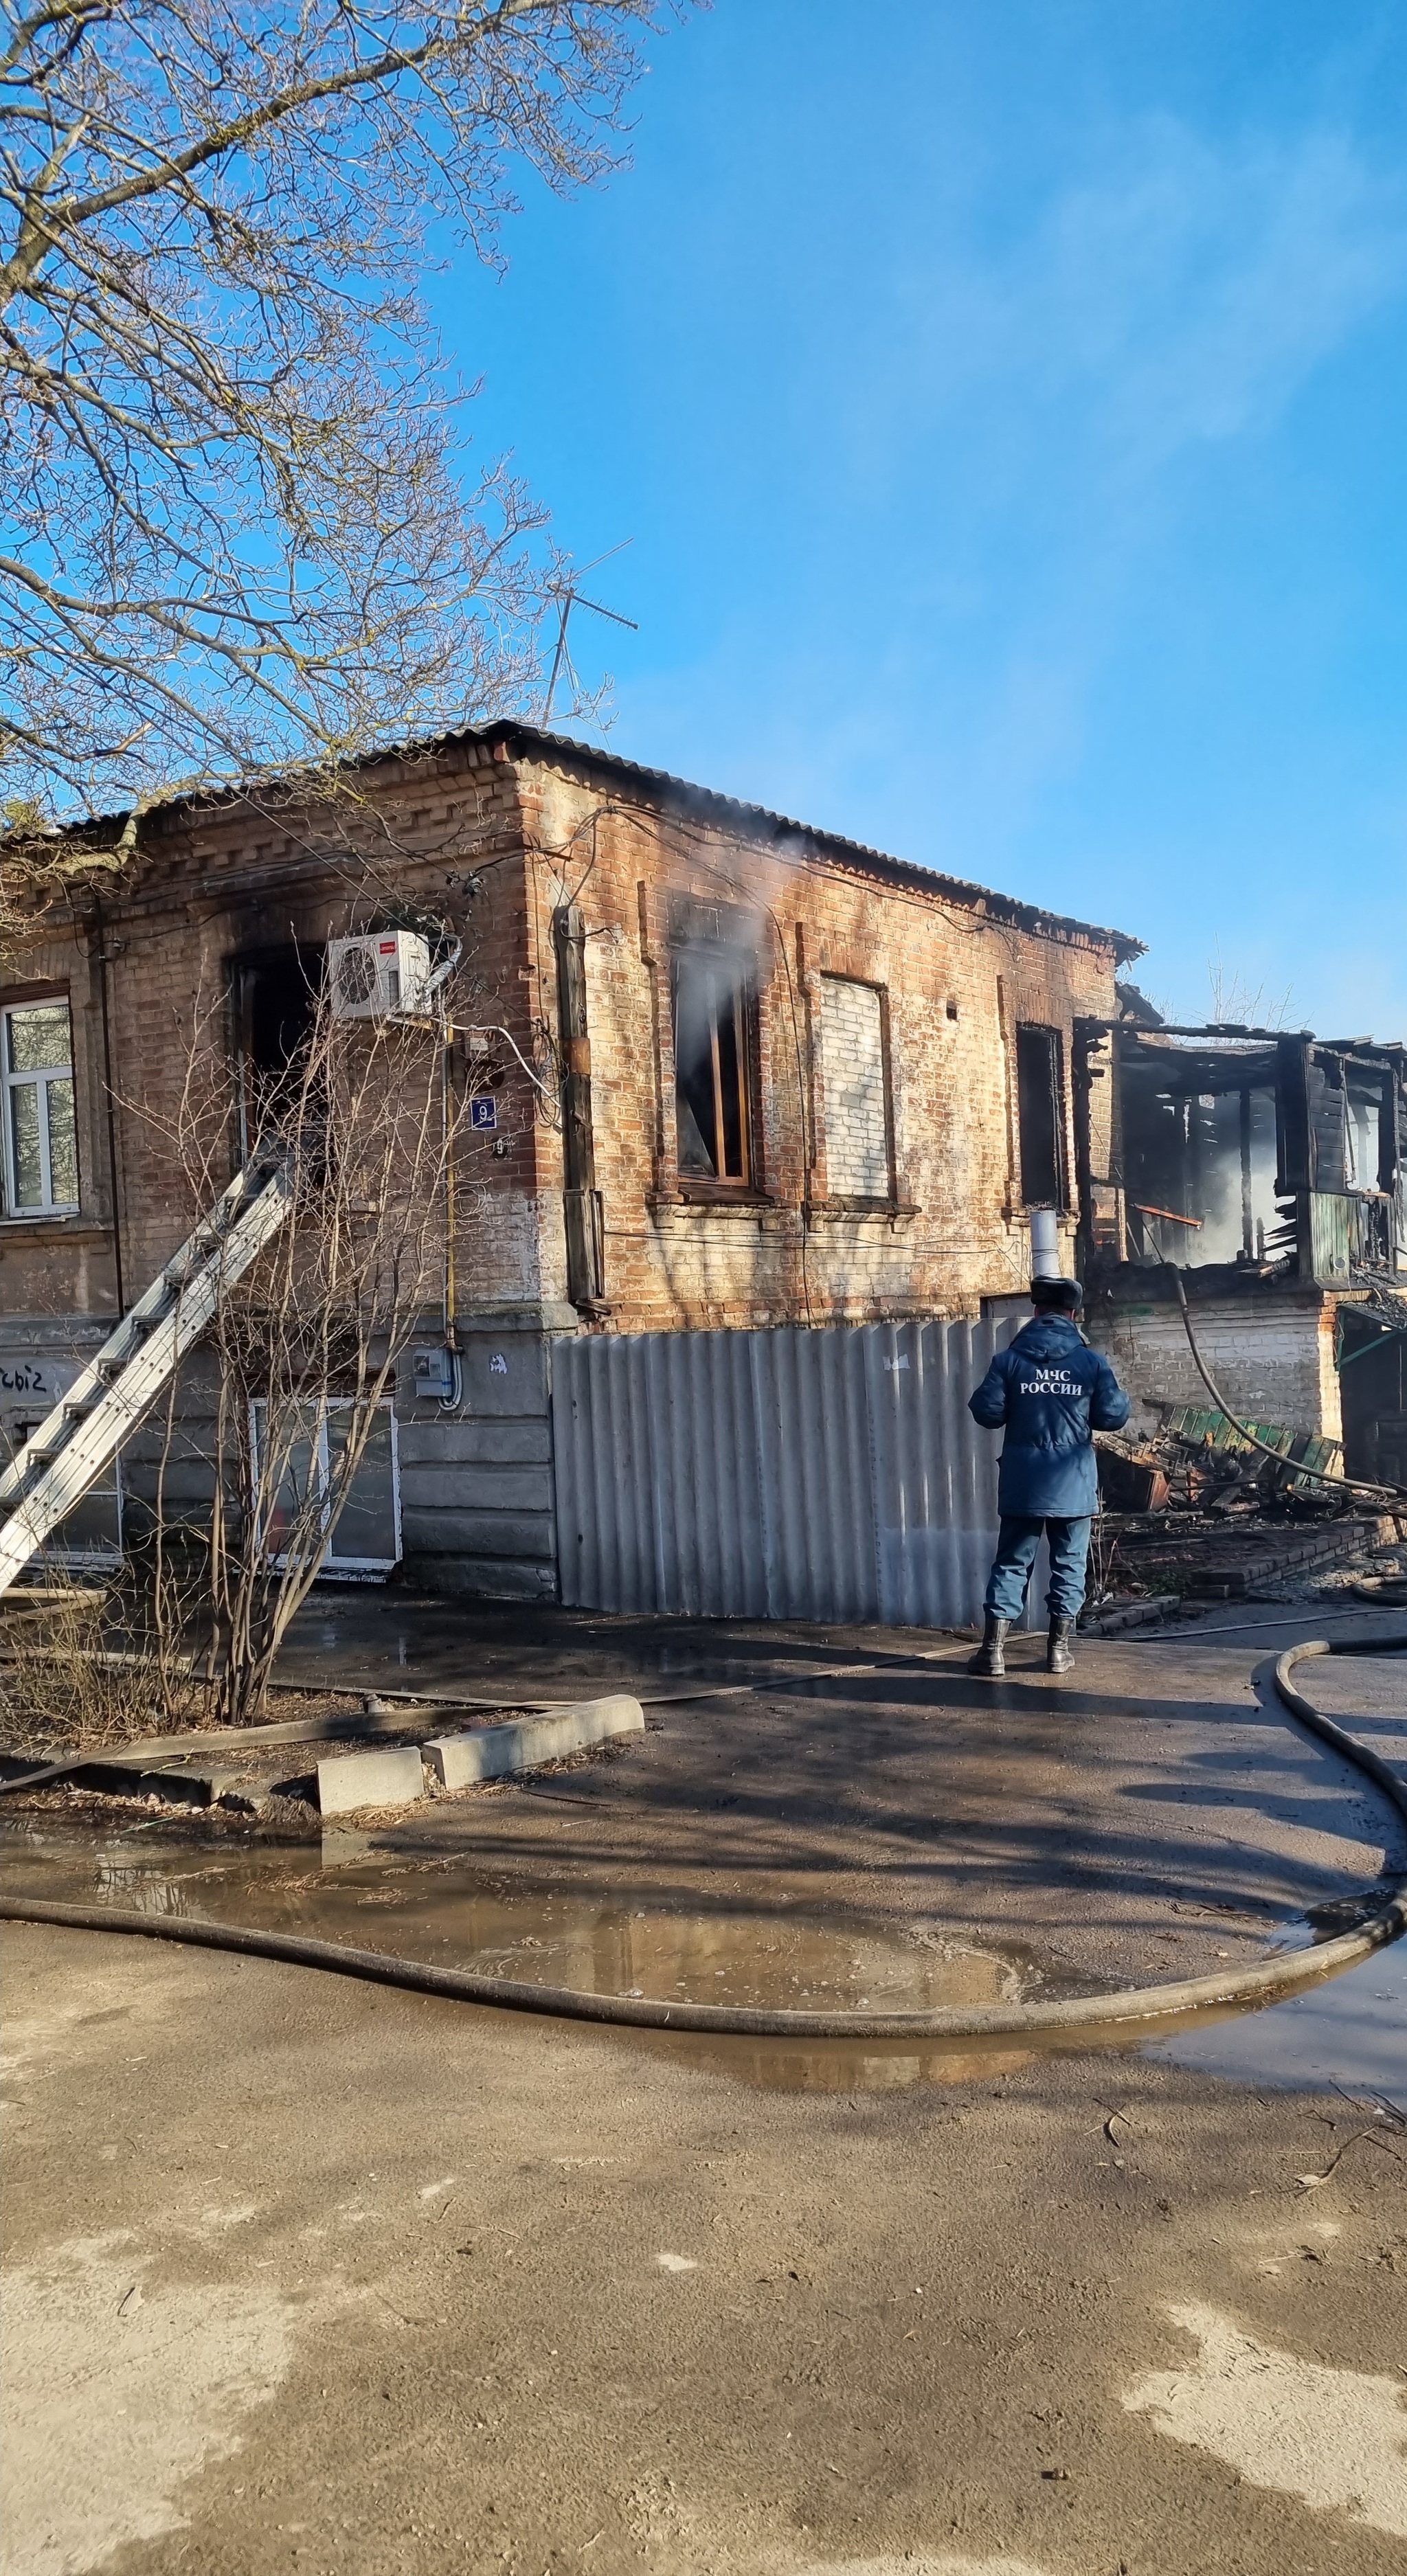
(305, 2275)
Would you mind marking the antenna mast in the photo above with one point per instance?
(568, 597)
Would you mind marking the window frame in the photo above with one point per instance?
(41, 1080)
(98, 1556)
(733, 957)
(333, 1567)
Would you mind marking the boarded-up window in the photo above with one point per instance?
(857, 1107)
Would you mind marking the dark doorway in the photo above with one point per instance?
(276, 996)
(1040, 1094)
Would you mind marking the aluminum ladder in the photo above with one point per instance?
(105, 1405)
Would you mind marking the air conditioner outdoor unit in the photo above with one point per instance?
(378, 972)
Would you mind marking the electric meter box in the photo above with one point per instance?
(434, 1376)
(377, 974)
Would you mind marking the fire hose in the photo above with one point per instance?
(1268, 1983)
(1349, 1484)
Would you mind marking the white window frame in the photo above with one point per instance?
(10, 1083)
(335, 1568)
(75, 1560)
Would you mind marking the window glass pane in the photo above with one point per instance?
(24, 1145)
(289, 1488)
(94, 1526)
(39, 1039)
(366, 1528)
(63, 1146)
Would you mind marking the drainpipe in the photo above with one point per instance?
(579, 1200)
(103, 962)
(1045, 1243)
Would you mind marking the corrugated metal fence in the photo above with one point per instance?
(777, 1475)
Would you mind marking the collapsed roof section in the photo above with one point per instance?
(1254, 1153)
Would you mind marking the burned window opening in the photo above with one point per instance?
(277, 992)
(1040, 1091)
(1200, 1156)
(1246, 1149)
(714, 1007)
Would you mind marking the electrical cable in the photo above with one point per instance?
(1268, 1983)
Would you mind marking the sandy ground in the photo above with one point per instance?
(304, 2275)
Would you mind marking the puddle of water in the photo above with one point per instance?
(443, 1913)
(1352, 2030)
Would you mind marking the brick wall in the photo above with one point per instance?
(853, 1071)
(954, 984)
(1271, 1355)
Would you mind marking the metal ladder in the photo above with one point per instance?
(105, 1405)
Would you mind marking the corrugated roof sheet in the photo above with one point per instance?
(761, 818)
(528, 741)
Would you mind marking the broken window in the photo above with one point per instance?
(1040, 1093)
(277, 993)
(713, 1017)
(40, 1143)
(1370, 1109)
(859, 1164)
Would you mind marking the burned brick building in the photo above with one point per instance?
(730, 1072)
(732, 1077)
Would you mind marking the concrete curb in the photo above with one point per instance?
(492, 1752)
(395, 1777)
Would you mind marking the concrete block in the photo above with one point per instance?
(494, 1751)
(391, 1778)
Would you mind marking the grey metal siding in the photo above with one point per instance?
(783, 1474)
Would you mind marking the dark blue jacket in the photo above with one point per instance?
(1050, 1390)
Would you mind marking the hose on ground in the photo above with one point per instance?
(1268, 1983)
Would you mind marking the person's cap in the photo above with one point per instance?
(1067, 1293)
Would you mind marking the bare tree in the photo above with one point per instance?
(252, 1463)
(238, 541)
(1236, 1005)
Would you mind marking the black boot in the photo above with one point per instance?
(989, 1660)
(1060, 1646)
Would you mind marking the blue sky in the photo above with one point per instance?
(1007, 402)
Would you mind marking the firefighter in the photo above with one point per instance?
(1049, 1392)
